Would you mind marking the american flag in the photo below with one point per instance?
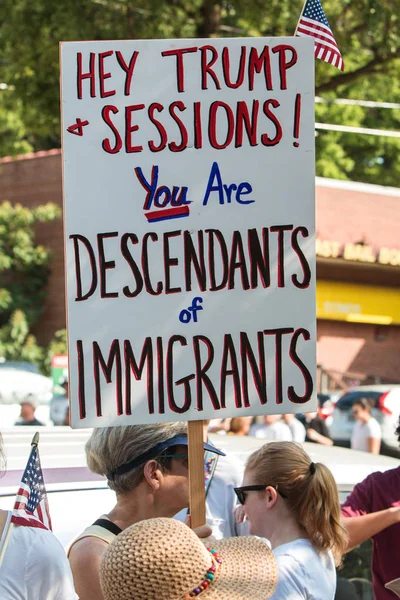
(314, 23)
(31, 507)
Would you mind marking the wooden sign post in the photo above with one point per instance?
(188, 176)
(196, 474)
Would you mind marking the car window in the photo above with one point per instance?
(346, 401)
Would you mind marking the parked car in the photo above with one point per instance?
(77, 496)
(386, 411)
(17, 382)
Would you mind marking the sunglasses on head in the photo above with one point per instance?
(242, 491)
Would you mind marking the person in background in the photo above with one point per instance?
(372, 510)
(273, 429)
(147, 467)
(316, 429)
(239, 426)
(296, 427)
(221, 474)
(28, 414)
(33, 565)
(65, 385)
(367, 433)
(294, 503)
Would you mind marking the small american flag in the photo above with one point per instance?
(31, 507)
(314, 23)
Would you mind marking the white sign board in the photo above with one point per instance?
(189, 228)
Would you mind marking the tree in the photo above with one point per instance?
(13, 134)
(24, 270)
(366, 31)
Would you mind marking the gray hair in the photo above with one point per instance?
(110, 447)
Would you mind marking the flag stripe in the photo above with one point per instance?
(328, 41)
(319, 26)
(318, 40)
(321, 52)
(25, 522)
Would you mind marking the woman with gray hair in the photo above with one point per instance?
(147, 467)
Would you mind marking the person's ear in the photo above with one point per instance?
(271, 496)
(152, 474)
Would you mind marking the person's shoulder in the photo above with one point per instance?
(296, 550)
(382, 477)
(301, 560)
(257, 430)
(45, 543)
(256, 426)
(379, 479)
(87, 546)
(374, 428)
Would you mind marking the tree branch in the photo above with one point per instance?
(346, 78)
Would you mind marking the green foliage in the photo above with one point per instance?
(24, 272)
(58, 345)
(367, 32)
(13, 135)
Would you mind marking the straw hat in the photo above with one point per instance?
(162, 559)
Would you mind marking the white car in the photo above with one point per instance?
(16, 384)
(77, 497)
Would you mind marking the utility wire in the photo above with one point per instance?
(347, 129)
(366, 103)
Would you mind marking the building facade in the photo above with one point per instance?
(358, 269)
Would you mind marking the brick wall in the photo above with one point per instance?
(349, 212)
(363, 349)
(34, 180)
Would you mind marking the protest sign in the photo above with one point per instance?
(189, 228)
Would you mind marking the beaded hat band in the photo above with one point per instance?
(210, 575)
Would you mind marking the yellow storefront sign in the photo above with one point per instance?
(358, 303)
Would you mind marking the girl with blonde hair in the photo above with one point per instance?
(294, 503)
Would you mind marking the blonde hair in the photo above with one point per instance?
(110, 447)
(311, 492)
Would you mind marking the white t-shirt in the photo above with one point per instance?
(298, 430)
(303, 572)
(362, 432)
(221, 500)
(35, 567)
(276, 432)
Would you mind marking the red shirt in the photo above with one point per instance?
(378, 492)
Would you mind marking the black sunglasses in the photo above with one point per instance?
(241, 491)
